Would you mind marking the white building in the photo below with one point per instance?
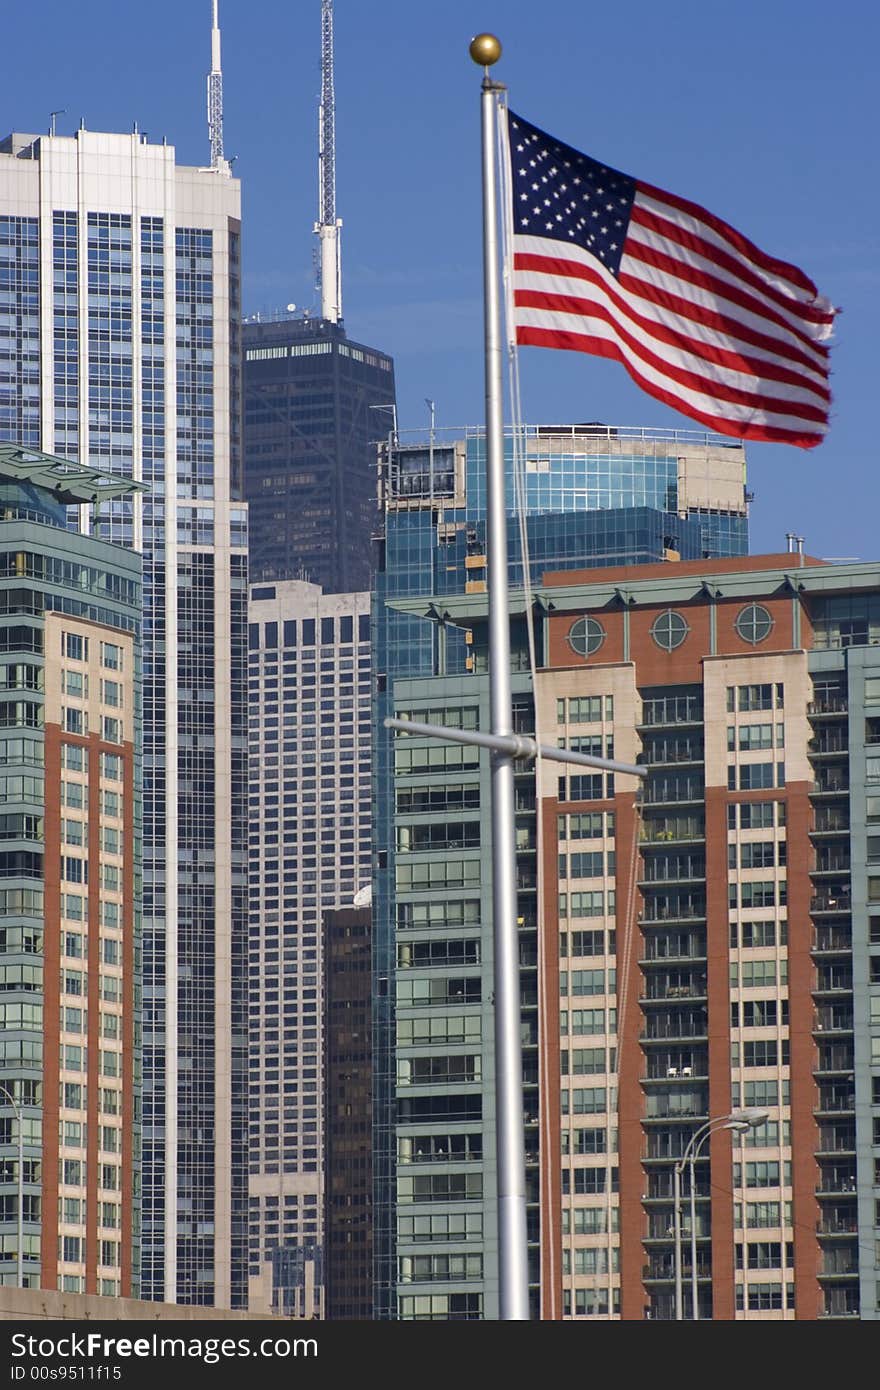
(309, 705)
(119, 313)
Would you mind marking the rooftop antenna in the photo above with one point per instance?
(52, 114)
(328, 225)
(215, 97)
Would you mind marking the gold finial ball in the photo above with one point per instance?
(485, 50)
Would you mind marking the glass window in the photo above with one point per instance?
(586, 636)
(669, 630)
(753, 623)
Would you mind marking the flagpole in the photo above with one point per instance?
(513, 1276)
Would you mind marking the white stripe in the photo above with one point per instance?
(708, 404)
(642, 236)
(701, 299)
(585, 292)
(708, 233)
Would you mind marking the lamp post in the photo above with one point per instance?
(12, 1101)
(739, 1121)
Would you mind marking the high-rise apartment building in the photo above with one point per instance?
(348, 1115)
(591, 494)
(119, 348)
(310, 739)
(315, 403)
(70, 928)
(709, 944)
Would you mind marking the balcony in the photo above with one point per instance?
(674, 1027)
(838, 901)
(836, 1181)
(835, 1101)
(680, 949)
(834, 1060)
(830, 782)
(666, 1070)
(830, 821)
(836, 1141)
(833, 1021)
(656, 755)
(831, 863)
(834, 980)
(832, 939)
(832, 1225)
(685, 913)
(660, 990)
(670, 712)
(827, 705)
(831, 744)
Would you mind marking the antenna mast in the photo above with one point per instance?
(215, 97)
(328, 225)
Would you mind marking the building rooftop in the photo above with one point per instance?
(67, 482)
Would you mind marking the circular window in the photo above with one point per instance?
(669, 630)
(754, 623)
(586, 636)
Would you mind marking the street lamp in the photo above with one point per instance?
(12, 1101)
(739, 1121)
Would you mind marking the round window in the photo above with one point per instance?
(754, 623)
(669, 630)
(586, 636)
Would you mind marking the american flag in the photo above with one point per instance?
(699, 316)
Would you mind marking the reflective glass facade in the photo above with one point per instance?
(143, 302)
(594, 496)
(314, 404)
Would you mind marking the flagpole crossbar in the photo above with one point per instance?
(518, 746)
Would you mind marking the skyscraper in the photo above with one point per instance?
(315, 403)
(708, 947)
(592, 494)
(70, 928)
(119, 348)
(310, 740)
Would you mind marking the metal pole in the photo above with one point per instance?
(676, 1220)
(514, 745)
(510, 1157)
(695, 1307)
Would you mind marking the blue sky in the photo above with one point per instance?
(765, 112)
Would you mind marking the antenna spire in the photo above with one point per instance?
(215, 97)
(328, 225)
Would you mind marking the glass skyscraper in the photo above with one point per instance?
(315, 403)
(592, 496)
(119, 348)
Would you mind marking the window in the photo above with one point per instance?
(753, 623)
(111, 693)
(586, 636)
(74, 647)
(111, 656)
(585, 709)
(753, 776)
(669, 630)
(589, 1100)
(753, 736)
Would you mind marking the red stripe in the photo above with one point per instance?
(743, 245)
(760, 369)
(600, 347)
(674, 232)
(704, 385)
(679, 270)
(681, 308)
